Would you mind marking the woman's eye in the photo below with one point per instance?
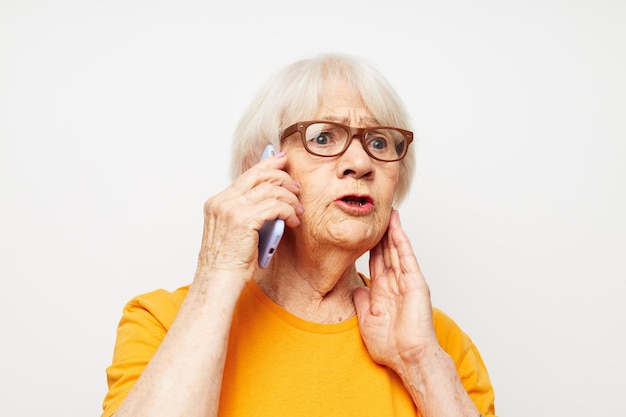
(378, 143)
(322, 139)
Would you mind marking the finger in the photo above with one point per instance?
(243, 208)
(392, 263)
(362, 301)
(405, 259)
(377, 260)
(391, 248)
(271, 209)
(387, 256)
(278, 161)
(264, 190)
(258, 175)
(268, 170)
(268, 191)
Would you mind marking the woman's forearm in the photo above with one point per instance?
(431, 378)
(185, 374)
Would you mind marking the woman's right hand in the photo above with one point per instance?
(233, 217)
(192, 354)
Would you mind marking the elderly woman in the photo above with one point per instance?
(308, 335)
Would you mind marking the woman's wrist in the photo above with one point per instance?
(431, 377)
(211, 285)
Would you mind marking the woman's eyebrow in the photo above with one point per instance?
(336, 119)
(369, 120)
(346, 120)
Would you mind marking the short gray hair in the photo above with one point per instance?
(296, 94)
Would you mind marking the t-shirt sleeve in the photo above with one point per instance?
(469, 364)
(144, 323)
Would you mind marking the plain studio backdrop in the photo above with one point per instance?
(115, 123)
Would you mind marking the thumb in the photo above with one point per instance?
(361, 298)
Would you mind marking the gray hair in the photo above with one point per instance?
(296, 94)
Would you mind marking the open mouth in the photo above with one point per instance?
(355, 200)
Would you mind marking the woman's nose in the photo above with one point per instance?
(355, 160)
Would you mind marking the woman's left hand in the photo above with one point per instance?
(395, 313)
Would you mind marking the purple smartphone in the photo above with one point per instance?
(272, 230)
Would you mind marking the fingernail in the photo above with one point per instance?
(296, 184)
(281, 154)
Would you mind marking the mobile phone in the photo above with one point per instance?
(272, 230)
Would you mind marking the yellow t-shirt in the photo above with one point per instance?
(280, 365)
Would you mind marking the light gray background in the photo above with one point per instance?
(115, 118)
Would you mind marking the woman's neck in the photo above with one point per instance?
(314, 288)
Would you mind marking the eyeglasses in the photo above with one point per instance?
(327, 139)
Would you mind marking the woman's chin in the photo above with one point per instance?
(353, 234)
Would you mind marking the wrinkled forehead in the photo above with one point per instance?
(342, 104)
(339, 98)
(336, 100)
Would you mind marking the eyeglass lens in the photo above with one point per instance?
(328, 139)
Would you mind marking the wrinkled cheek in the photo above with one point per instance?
(383, 222)
(315, 214)
(318, 216)
(394, 181)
